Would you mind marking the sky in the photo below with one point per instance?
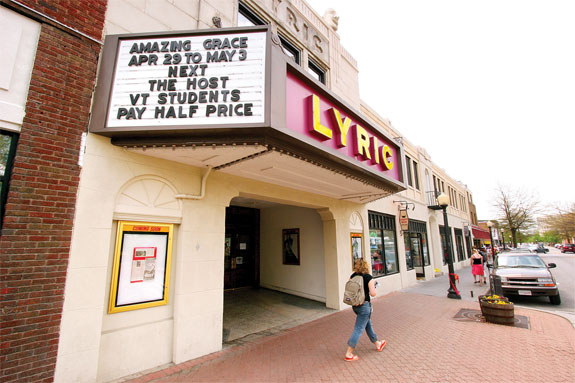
(486, 87)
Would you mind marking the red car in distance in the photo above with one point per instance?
(568, 248)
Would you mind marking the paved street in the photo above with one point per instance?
(469, 291)
(425, 344)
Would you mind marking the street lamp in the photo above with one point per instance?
(490, 225)
(443, 201)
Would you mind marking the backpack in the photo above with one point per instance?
(354, 295)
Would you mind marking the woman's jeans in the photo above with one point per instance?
(362, 322)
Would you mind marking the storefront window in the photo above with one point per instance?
(390, 254)
(8, 142)
(376, 249)
(383, 246)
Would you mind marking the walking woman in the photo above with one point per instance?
(477, 266)
(363, 312)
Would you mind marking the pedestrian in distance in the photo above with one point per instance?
(363, 312)
(477, 266)
(485, 263)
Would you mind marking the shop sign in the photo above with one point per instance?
(328, 121)
(188, 80)
(403, 220)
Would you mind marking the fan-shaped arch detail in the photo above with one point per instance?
(150, 195)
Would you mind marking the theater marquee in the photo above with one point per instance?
(183, 80)
(173, 95)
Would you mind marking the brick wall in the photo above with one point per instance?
(35, 241)
(86, 16)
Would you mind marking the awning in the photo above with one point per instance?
(479, 233)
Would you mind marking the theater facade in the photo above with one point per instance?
(216, 163)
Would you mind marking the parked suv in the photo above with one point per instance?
(568, 248)
(526, 274)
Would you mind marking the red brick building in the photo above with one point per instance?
(40, 171)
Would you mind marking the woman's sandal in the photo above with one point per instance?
(381, 346)
(351, 359)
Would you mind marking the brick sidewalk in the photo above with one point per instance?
(425, 344)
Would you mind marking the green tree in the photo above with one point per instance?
(562, 221)
(535, 238)
(551, 237)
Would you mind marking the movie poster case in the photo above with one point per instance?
(141, 269)
(356, 247)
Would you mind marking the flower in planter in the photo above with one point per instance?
(494, 299)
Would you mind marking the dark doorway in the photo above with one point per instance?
(417, 250)
(242, 248)
(416, 247)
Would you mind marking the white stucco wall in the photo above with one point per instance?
(109, 343)
(18, 41)
(308, 278)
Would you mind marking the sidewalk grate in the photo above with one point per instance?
(470, 315)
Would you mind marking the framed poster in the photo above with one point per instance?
(141, 270)
(290, 248)
(356, 247)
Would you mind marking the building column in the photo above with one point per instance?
(199, 274)
(335, 239)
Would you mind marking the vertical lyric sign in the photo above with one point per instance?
(141, 271)
(189, 80)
